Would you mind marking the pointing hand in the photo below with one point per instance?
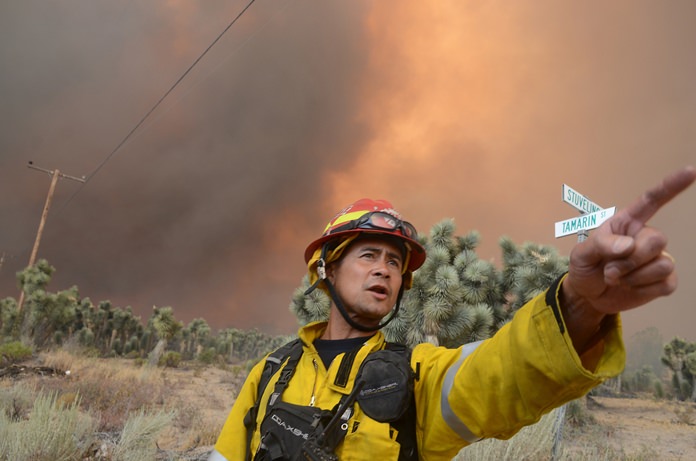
(623, 264)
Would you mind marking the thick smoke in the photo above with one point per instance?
(479, 112)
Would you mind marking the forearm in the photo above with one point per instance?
(585, 325)
(528, 367)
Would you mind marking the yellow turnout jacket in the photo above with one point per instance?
(481, 390)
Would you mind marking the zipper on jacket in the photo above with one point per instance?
(314, 388)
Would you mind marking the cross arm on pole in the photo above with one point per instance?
(55, 174)
(51, 172)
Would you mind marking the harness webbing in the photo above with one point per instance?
(291, 351)
(287, 357)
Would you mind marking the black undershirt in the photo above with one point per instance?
(329, 348)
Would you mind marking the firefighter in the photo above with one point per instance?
(341, 392)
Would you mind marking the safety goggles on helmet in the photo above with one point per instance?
(379, 220)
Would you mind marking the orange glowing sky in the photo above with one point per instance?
(484, 112)
(478, 111)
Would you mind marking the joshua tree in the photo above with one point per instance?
(125, 326)
(33, 282)
(195, 335)
(690, 365)
(51, 315)
(166, 327)
(680, 357)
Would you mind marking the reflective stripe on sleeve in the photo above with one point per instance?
(448, 415)
(216, 456)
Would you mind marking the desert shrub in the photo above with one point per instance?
(659, 390)
(170, 359)
(133, 354)
(14, 352)
(642, 380)
(138, 438)
(16, 402)
(132, 346)
(58, 338)
(207, 356)
(685, 414)
(52, 431)
(117, 347)
(577, 414)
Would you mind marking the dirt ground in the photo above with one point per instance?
(212, 392)
(641, 428)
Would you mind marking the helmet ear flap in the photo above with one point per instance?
(407, 280)
(322, 257)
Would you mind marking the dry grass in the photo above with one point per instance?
(109, 389)
(52, 431)
(135, 412)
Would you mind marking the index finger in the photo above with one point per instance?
(639, 212)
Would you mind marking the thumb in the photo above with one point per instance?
(600, 248)
(620, 246)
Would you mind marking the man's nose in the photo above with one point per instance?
(381, 267)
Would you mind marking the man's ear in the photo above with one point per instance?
(331, 272)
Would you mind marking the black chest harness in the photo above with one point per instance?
(383, 388)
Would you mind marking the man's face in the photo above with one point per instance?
(367, 278)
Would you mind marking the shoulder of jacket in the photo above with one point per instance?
(285, 350)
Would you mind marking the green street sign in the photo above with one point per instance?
(583, 222)
(579, 201)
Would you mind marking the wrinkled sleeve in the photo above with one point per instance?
(493, 388)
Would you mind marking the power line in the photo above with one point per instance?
(157, 104)
(108, 157)
(85, 179)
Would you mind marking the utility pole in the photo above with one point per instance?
(55, 174)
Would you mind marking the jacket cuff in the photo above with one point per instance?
(613, 358)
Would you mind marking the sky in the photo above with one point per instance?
(476, 111)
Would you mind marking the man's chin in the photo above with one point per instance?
(372, 319)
